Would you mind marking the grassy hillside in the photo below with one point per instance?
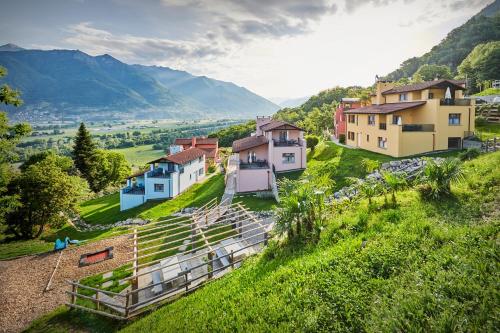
(426, 266)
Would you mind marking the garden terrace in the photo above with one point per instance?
(172, 257)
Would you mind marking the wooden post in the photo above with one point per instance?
(127, 304)
(240, 229)
(73, 296)
(186, 280)
(206, 219)
(97, 301)
(265, 238)
(210, 264)
(232, 259)
(135, 282)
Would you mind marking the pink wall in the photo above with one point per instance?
(300, 158)
(292, 134)
(261, 153)
(251, 180)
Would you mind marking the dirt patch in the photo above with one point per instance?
(23, 280)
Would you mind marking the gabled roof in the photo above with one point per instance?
(425, 85)
(182, 157)
(137, 174)
(249, 142)
(385, 108)
(278, 124)
(209, 152)
(188, 141)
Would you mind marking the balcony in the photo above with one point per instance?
(133, 190)
(286, 143)
(159, 173)
(418, 128)
(454, 102)
(258, 164)
(382, 126)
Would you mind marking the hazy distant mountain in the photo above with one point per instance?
(293, 102)
(102, 87)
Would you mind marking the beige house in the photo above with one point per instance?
(412, 119)
(276, 146)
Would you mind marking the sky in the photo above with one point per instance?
(276, 48)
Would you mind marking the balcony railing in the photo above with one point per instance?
(258, 164)
(158, 173)
(286, 143)
(454, 101)
(382, 126)
(418, 128)
(133, 190)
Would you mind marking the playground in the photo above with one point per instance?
(25, 280)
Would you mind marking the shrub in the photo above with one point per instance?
(481, 121)
(469, 154)
(437, 177)
(312, 141)
(211, 168)
(342, 138)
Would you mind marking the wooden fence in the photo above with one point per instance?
(209, 244)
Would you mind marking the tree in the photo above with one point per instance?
(481, 65)
(9, 137)
(47, 194)
(430, 72)
(311, 141)
(437, 177)
(84, 154)
(395, 181)
(112, 168)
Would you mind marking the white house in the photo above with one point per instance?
(166, 178)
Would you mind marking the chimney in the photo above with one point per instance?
(259, 122)
(382, 86)
(193, 142)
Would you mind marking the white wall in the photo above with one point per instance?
(191, 169)
(128, 201)
(150, 188)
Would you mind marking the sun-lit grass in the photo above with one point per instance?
(140, 155)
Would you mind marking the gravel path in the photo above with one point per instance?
(23, 280)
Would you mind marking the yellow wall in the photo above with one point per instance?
(401, 143)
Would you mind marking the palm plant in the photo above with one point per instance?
(395, 181)
(438, 177)
(369, 188)
(370, 165)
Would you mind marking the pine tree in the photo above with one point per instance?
(84, 153)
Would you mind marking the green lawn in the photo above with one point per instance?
(140, 155)
(19, 248)
(488, 131)
(106, 209)
(254, 203)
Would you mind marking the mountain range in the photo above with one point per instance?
(93, 87)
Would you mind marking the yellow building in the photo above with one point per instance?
(412, 119)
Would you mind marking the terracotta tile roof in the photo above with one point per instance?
(188, 141)
(385, 108)
(182, 157)
(274, 124)
(136, 174)
(209, 152)
(249, 142)
(425, 85)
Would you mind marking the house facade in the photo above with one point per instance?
(412, 119)
(166, 178)
(276, 146)
(209, 145)
(339, 120)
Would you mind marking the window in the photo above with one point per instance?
(283, 136)
(454, 119)
(351, 118)
(396, 120)
(382, 143)
(288, 158)
(403, 97)
(200, 159)
(367, 138)
(159, 188)
(181, 169)
(350, 135)
(200, 172)
(454, 143)
(371, 119)
(430, 96)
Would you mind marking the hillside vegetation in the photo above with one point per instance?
(424, 266)
(452, 50)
